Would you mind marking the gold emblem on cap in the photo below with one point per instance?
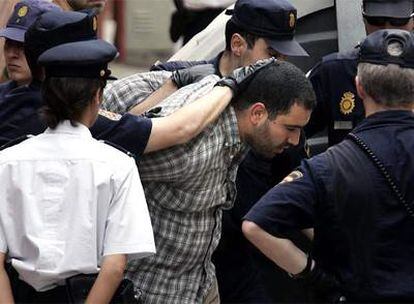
(347, 103)
(102, 73)
(95, 23)
(292, 20)
(22, 11)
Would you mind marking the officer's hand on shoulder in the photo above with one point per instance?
(184, 77)
(238, 80)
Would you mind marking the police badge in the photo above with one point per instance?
(347, 103)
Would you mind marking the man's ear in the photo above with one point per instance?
(360, 89)
(98, 98)
(257, 113)
(238, 45)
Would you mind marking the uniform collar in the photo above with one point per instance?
(386, 118)
(65, 127)
(216, 62)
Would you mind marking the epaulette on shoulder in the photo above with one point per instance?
(118, 147)
(15, 141)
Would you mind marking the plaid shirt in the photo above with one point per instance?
(121, 95)
(186, 188)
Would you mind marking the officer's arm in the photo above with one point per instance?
(108, 280)
(179, 79)
(189, 121)
(6, 295)
(281, 251)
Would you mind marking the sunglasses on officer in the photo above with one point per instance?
(381, 21)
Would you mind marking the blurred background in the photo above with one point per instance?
(147, 31)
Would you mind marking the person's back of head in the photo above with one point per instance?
(388, 14)
(54, 28)
(386, 68)
(272, 20)
(75, 64)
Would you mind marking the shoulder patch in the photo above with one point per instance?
(292, 176)
(110, 115)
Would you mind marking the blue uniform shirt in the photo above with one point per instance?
(6, 87)
(363, 234)
(339, 108)
(19, 113)
(19, 116)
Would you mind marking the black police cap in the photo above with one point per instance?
(67, 46)
(274, 20)
(388, 8)
(390, 46)
(24, 15)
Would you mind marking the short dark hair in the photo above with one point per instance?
(232, 28)
(67, 98)
(278, 86)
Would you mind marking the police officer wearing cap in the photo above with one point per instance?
(19, 112)
(72, 209)
(256, 30)
(339, 107)
(24, 15)
(357, 195)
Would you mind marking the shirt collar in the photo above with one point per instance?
(65, 127)
(380, 119)
(232, 127)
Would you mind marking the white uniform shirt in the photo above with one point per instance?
(67, 200)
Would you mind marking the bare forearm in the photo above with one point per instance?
(155, 98)
(108, 280)
(281, 251)
(189, 121)
(6, 295)
(199, 114)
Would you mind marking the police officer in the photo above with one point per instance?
(24, 15)
(358, 195)
(72, 209)
(339, 107)
(19, 110)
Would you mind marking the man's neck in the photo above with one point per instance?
(242, 123)
(371, 108)
(228, 63)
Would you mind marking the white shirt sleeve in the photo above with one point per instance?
(3, 187)
(128, 228)
(3, 243)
